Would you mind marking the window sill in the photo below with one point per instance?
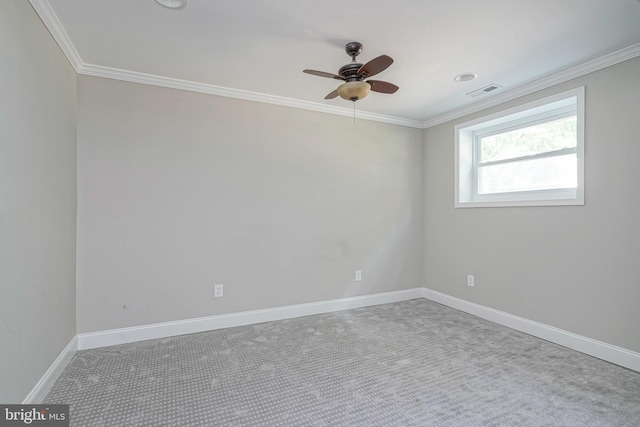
(520, 203)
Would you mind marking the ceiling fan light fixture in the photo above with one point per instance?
(172, 4)
(354, 90)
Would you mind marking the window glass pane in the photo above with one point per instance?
(536, 139)
(526, 175)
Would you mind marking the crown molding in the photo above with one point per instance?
(53, 24)
(537, 84)
(168, 82)
(51, 21)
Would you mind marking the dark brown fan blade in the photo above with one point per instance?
(332, 95)
(382, 87)
(375, 66)
(323, 74)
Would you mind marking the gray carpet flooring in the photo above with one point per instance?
(412, 363)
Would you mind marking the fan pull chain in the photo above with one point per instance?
(354, 112)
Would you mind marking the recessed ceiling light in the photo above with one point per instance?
(172, 4)
(465, 77)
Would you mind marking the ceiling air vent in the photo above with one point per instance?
(484, 90)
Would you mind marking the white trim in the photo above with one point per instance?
(202, 324)
(611, 353)
(466, 163)
(40, 390)
(168, 82)
(53, 24)
(51, 21)
(538, 84)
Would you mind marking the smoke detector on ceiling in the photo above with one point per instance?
(172, 4)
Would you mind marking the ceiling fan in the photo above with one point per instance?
(354, 75)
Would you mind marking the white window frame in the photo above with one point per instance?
(468, 134)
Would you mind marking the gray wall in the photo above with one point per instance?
(37, 200)
(575, 268)
(178, 191)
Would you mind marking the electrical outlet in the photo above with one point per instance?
(358, 275)
(470, 281)
(218, 291)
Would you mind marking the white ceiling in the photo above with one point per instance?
(262, 46)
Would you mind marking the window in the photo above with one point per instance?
(531, 155)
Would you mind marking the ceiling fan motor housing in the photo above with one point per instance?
(350, 71)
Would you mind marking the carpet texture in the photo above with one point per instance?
(412, 363)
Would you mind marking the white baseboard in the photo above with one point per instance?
(202, 324)
(49, 378)
(617, 355)
(611, 353)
